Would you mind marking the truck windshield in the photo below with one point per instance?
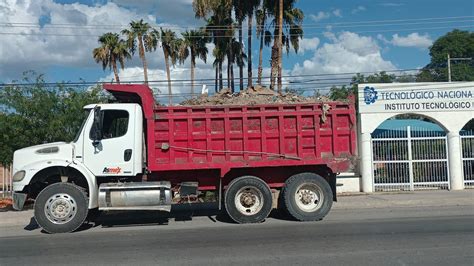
(86, 115)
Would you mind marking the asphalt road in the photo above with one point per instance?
(369, 236)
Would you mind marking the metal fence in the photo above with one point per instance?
(410, 159)
(467, 143)
(7, 182)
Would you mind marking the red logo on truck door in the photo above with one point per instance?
(112, 170)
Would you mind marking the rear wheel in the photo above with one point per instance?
(307, 197)
(61, 208)
(248, 199)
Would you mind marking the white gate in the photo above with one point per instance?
(410, 159)
(468, 159)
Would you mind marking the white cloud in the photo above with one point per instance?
(358, 9)
(42, 47)
(172, 11)
(412, 40)
(346, 53)
(308, 44)
(319, 16)
(157, 77)
(38, 48)
(382, 38)
(392, 4)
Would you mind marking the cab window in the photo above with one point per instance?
(114, 124)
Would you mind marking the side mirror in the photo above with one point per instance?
(96, 131)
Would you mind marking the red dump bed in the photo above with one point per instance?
(226, 137)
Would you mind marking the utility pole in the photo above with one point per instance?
(455, 59)
(449, 68)
(280, 44)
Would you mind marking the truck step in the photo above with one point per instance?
(135, 196)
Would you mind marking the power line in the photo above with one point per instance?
(324, 25)
(232, 35)
(87, 27)
(151, 82)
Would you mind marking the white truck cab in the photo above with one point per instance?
(109, 143)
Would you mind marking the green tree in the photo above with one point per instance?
(147, 41)
(239, 9)
(250, 10)
(292, 32)
(457, 44)
(242, 10)
(217, 14)
(238, 54)
(343, 93)
(39, 113)
(194, 46)
(170, 44)
(265, 37)
(111, 50)
(219, 56)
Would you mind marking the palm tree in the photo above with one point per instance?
(265, 37)
(250, 9)
(219, 55)
(193, 45)
(292, 20)
(147, 41)
(111, 50)
(217, 14)
(239, 57)
(170, 45)
(240, 12)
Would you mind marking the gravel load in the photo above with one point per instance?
(251, 96)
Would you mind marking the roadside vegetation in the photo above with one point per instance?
(40, 113)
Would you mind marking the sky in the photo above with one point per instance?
(56, 37)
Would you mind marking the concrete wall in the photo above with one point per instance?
(348, 183)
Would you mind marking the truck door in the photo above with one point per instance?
(113, 153)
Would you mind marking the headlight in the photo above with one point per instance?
(18, 176)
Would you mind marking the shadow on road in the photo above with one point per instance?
(143, 218)
(153, 218)
(33, 225)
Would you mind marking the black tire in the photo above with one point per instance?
(309, 182)
(69, 197)
(254, 186)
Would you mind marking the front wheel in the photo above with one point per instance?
(307, 197)
(61, 208)
(248, 199)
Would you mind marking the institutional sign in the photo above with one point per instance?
(416, 97)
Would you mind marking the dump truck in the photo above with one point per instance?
(133, 154)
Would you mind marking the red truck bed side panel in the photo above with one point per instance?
(225, 137)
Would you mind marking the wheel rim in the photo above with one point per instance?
(309, 197)
(249, 200)
(60, 208)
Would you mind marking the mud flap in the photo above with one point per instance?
(332, 183)
(18, 201)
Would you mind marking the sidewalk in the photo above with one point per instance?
(433, 198)
(428, 198)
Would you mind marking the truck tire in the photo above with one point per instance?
(307, 197)
(61, 208)
(248, 199)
